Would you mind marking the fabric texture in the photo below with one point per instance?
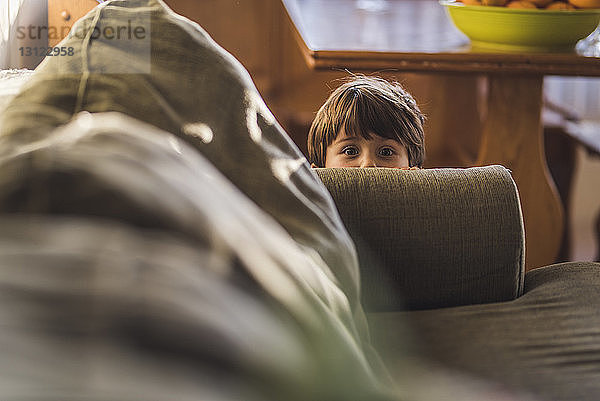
(181, 82)
(432, 238)
(546, 342)
(119, 237)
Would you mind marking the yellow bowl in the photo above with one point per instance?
(522, 30)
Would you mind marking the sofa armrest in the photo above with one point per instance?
(432, 238)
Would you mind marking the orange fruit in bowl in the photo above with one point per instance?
(541, 3)
(521, 4)
(498, 3)
(585, 3)
(560, 5)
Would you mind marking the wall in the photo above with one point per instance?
(19, 23)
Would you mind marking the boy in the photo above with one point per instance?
(368, 122)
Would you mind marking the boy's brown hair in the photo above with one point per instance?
(366, 105)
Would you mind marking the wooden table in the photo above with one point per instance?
(417, 36)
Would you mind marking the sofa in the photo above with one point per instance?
(441, 257)
(161, 237)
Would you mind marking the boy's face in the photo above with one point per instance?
(356, 151)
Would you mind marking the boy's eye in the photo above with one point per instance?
(386, 152)
(350, 151)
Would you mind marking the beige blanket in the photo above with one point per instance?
(209, 164)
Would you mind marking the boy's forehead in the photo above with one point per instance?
(342, 136)
(354, 134)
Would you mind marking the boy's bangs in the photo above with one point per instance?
(362, 119)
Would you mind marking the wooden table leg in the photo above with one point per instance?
(512, 136)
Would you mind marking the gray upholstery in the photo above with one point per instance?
(442, 238)
(432, 238)
(546, 342)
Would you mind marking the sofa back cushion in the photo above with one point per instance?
(432, 238)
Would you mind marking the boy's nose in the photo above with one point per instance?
(367, 161)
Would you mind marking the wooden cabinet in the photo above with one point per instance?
(62, 14)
